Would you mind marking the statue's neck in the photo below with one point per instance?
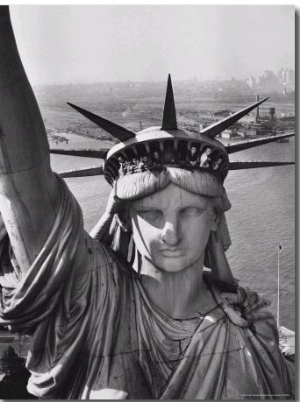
(179, 295)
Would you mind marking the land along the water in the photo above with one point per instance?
(263, 208)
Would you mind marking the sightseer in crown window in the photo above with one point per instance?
(205, 158)
(216, 164)
(156, 160)
(193, 155)
(145, 306)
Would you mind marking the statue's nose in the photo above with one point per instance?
(170, 234)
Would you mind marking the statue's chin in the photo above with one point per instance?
(168, 264)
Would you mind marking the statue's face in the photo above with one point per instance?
(171, 228)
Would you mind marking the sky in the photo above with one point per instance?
(94, 43)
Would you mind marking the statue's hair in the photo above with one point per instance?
(201, 182)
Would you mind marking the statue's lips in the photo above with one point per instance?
(172, 253)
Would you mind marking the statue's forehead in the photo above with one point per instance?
(172, 195)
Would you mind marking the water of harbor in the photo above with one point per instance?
(262, 216)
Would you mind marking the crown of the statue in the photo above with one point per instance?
(155, 148)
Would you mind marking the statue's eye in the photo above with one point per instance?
(151, 215)
(190, 211)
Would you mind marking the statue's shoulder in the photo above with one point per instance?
(243, 306)
(237, 295)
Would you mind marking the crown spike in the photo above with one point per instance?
(169, 121)
(83, 172)
(241, 146)
(252, 165)
(86, 153)
(114, 129)
(220, 126)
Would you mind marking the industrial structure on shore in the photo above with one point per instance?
(251, 125)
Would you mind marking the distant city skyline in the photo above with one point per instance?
(82, 44)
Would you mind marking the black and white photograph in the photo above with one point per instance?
(147, 201)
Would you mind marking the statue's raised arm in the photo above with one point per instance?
(28, 191)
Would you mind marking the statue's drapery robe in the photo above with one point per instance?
(96, 334)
